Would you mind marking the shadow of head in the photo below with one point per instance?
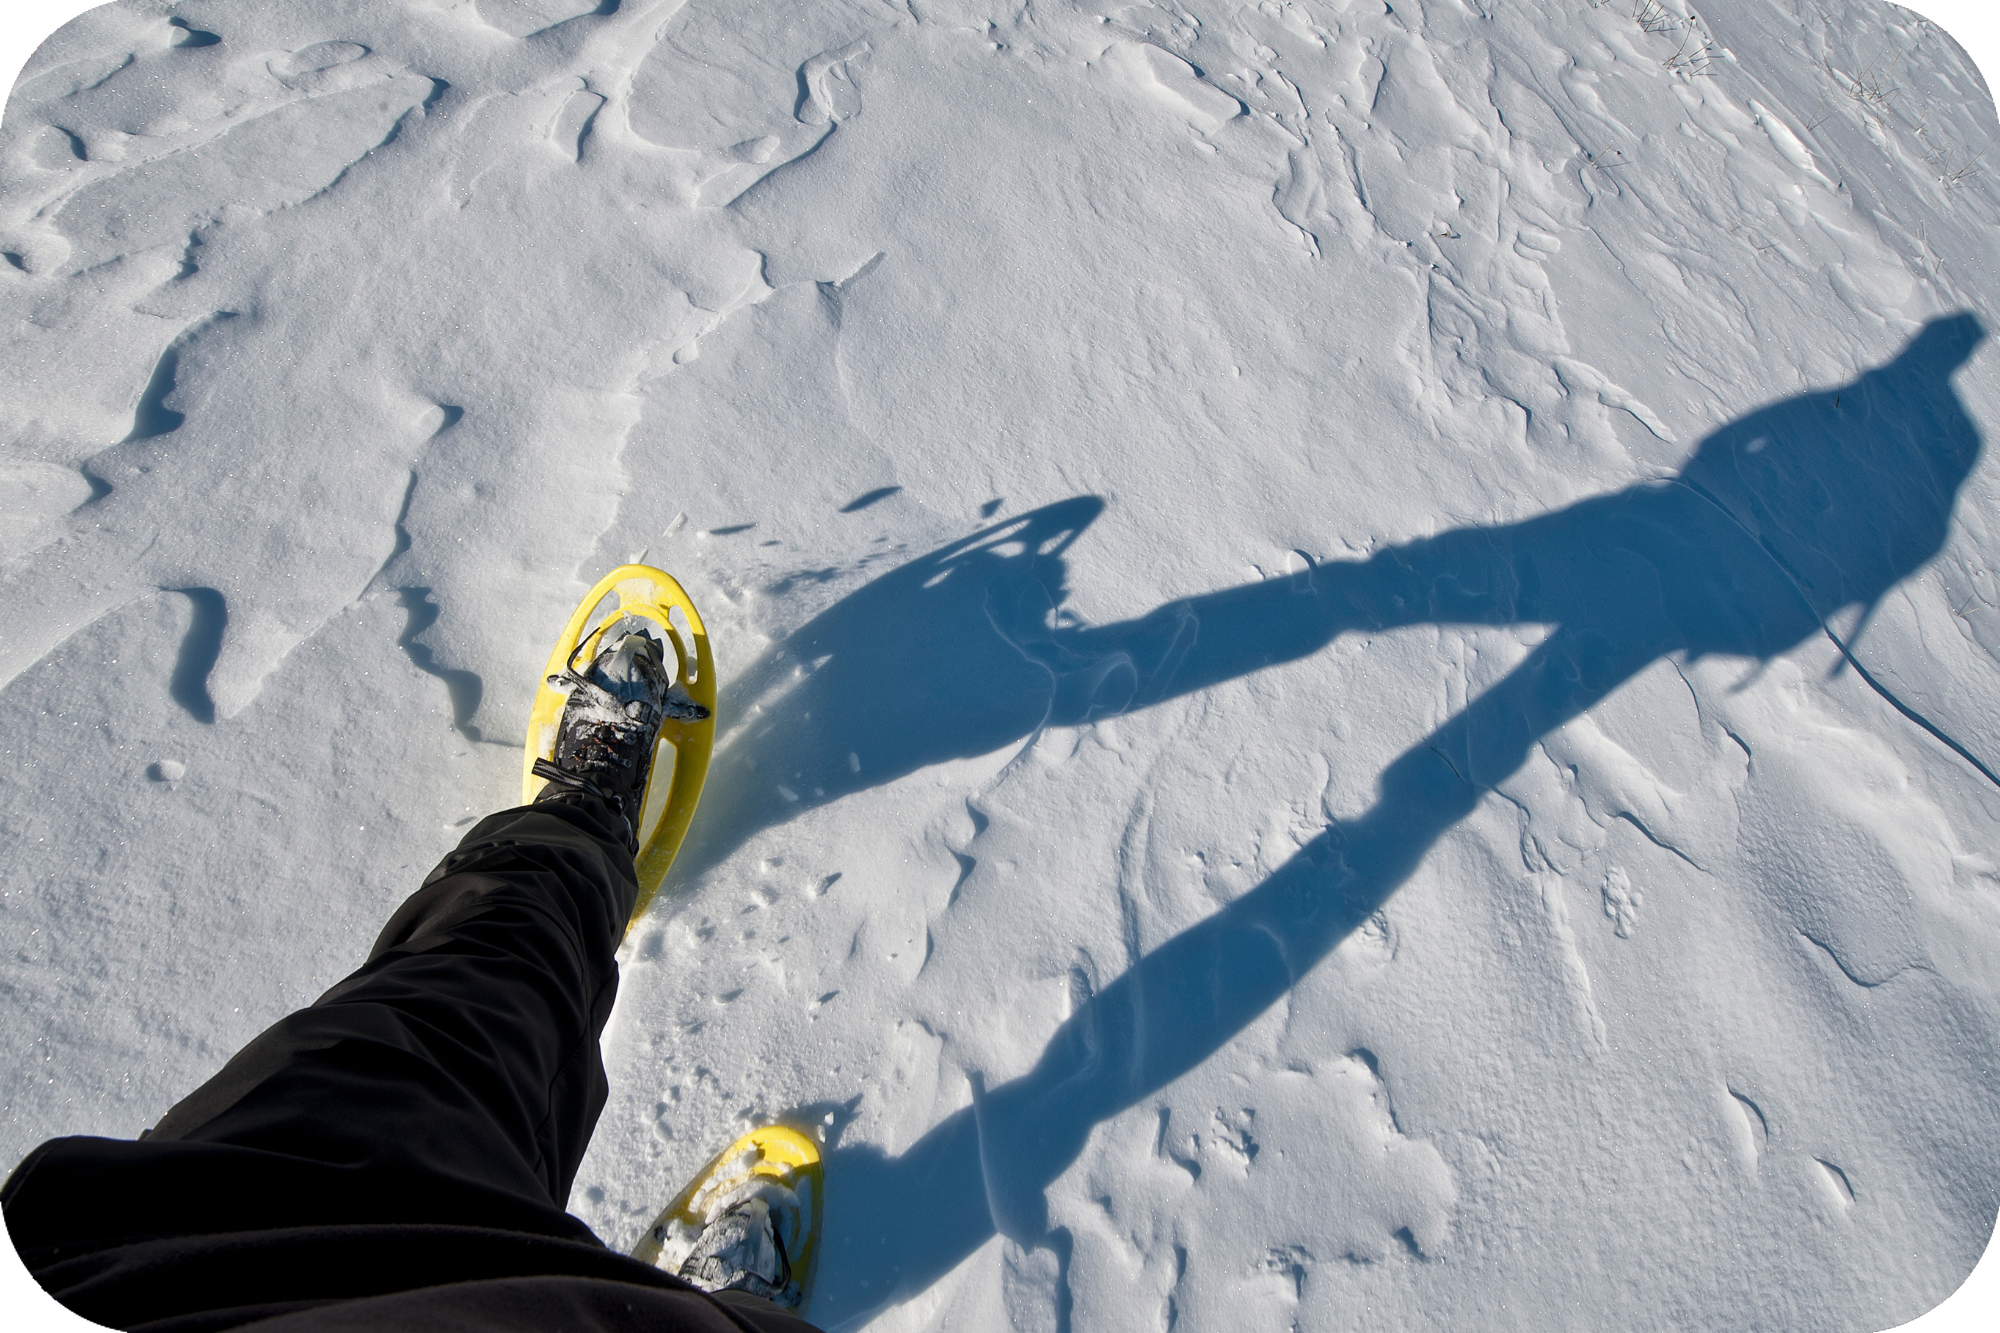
(1781, 519)
(1851, 490)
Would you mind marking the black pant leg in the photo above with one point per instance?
(466, 1046)
(454, 1078)
(396, 1157)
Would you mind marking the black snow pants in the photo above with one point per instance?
(397, 1156)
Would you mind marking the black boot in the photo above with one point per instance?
(612, 721)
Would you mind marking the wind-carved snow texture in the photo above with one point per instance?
(1274, 570)
(187, 212)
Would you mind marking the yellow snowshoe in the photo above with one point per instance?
(749, 1221)
(588, 674)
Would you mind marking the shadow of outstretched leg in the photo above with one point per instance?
(919, 666)
(905, 1222)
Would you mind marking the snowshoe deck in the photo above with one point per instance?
(680, 761)
(776, 1153)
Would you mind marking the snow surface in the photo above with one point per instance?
(1280, 766)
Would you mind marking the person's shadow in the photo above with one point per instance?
(1780, 520)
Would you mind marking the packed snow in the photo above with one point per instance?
(1360, 641)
